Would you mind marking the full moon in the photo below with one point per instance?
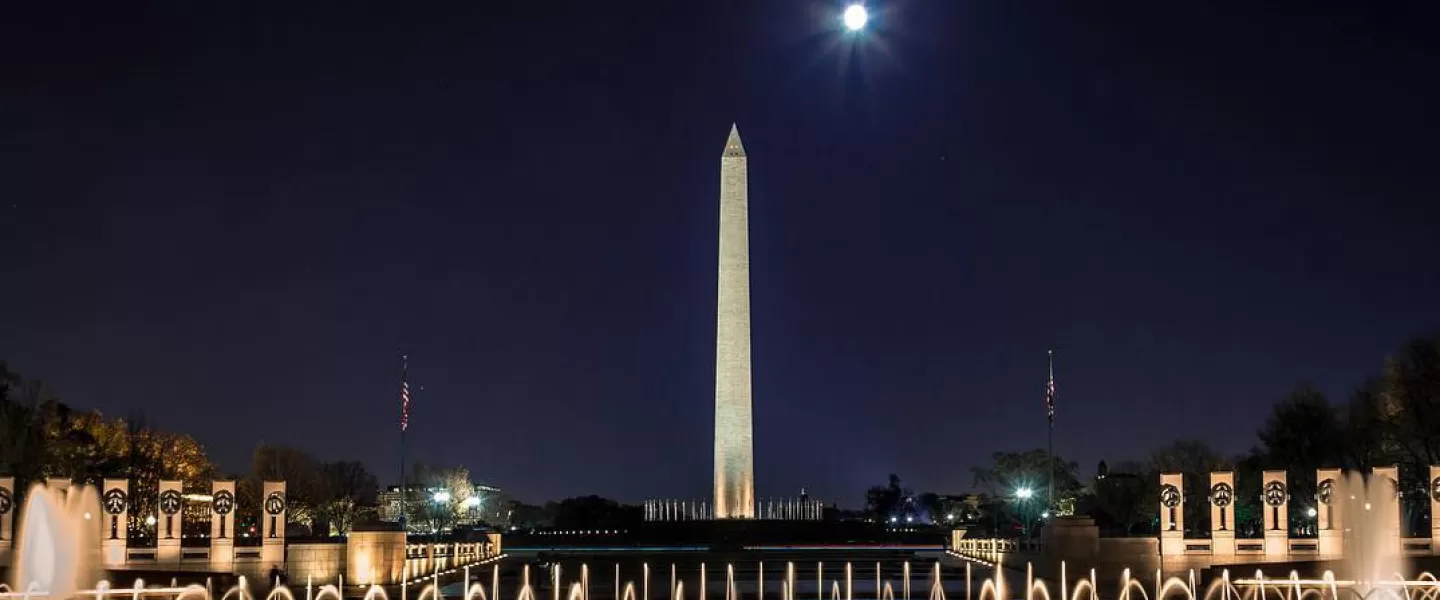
(855, 17)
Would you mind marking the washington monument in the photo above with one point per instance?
(734, 442)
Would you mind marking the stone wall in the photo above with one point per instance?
(376, 557)
(321, 563)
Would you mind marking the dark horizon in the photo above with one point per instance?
(1197, 207)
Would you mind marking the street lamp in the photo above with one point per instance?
(855, 17)
(1024, 494)
(442, 496)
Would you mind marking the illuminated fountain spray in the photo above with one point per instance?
(59, 542)
(1370, 516)
(845, 582)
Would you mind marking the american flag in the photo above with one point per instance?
(404, 400)
(1050, 390)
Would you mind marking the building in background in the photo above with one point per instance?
(486, 506)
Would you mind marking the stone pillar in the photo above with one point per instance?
(1433, 489)
(1172, 514)
(1275, 498)
(7, 518)
(1330, 517)
(167, 523)
(1390, 510)
(375, 556)
(1074, 538)
(1222, 513)
(272, 548)
(114, 527)
(494, 543)
(222, 526)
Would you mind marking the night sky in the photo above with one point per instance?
(238, 221)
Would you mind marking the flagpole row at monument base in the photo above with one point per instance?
(660, 510)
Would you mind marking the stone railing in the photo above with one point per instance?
(377, 557)
(993, 546)
(424, 559)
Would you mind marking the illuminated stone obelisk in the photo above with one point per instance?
(734, 444)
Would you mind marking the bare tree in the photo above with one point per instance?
(350, 492)
(304, 490)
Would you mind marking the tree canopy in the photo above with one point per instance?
(1009, 472)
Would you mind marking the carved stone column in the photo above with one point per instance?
(1387, 479)
(167, 523)
(1222, 513)
(273, 505)
(222, 526)
(1275, 498)
(1330, 516)
(1434, 490)
(7, 518)
(114, 526)
(1172, 514)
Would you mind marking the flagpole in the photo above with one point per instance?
(404, 369)
(1050, 433)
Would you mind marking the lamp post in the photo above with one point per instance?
(472, 507)
(442, 499)
(1023, 495)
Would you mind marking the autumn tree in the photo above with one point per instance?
(40, 436)
(438, 498)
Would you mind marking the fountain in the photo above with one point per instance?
(1369, 515)
(58, 541)
(58, 544)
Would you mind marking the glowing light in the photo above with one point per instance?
(150, 520)
(855, 17)
(472, 502)
(442, 496)
(1024, 493)
(1312, 512)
